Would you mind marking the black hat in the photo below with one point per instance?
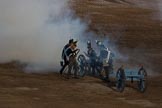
(71, 41)
(88, 44)
(75, 42)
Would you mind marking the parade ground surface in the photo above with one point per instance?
(130, 27)
(21, 90)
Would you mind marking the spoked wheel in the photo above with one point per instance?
(142, 83)
(120, 76)
(83, 67)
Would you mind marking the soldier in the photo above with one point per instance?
(71, 53)
(64, 56)
(91, 54)
(105, 59)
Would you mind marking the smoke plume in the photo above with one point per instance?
(35, 31)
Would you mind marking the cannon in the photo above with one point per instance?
(131, 75)
(121, 76)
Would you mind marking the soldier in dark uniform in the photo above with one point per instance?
(70, 53)
(91, 54)
(64, 56)
(105, 59)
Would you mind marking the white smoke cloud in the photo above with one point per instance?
(35, 31)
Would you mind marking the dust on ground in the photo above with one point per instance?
(23, 90)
